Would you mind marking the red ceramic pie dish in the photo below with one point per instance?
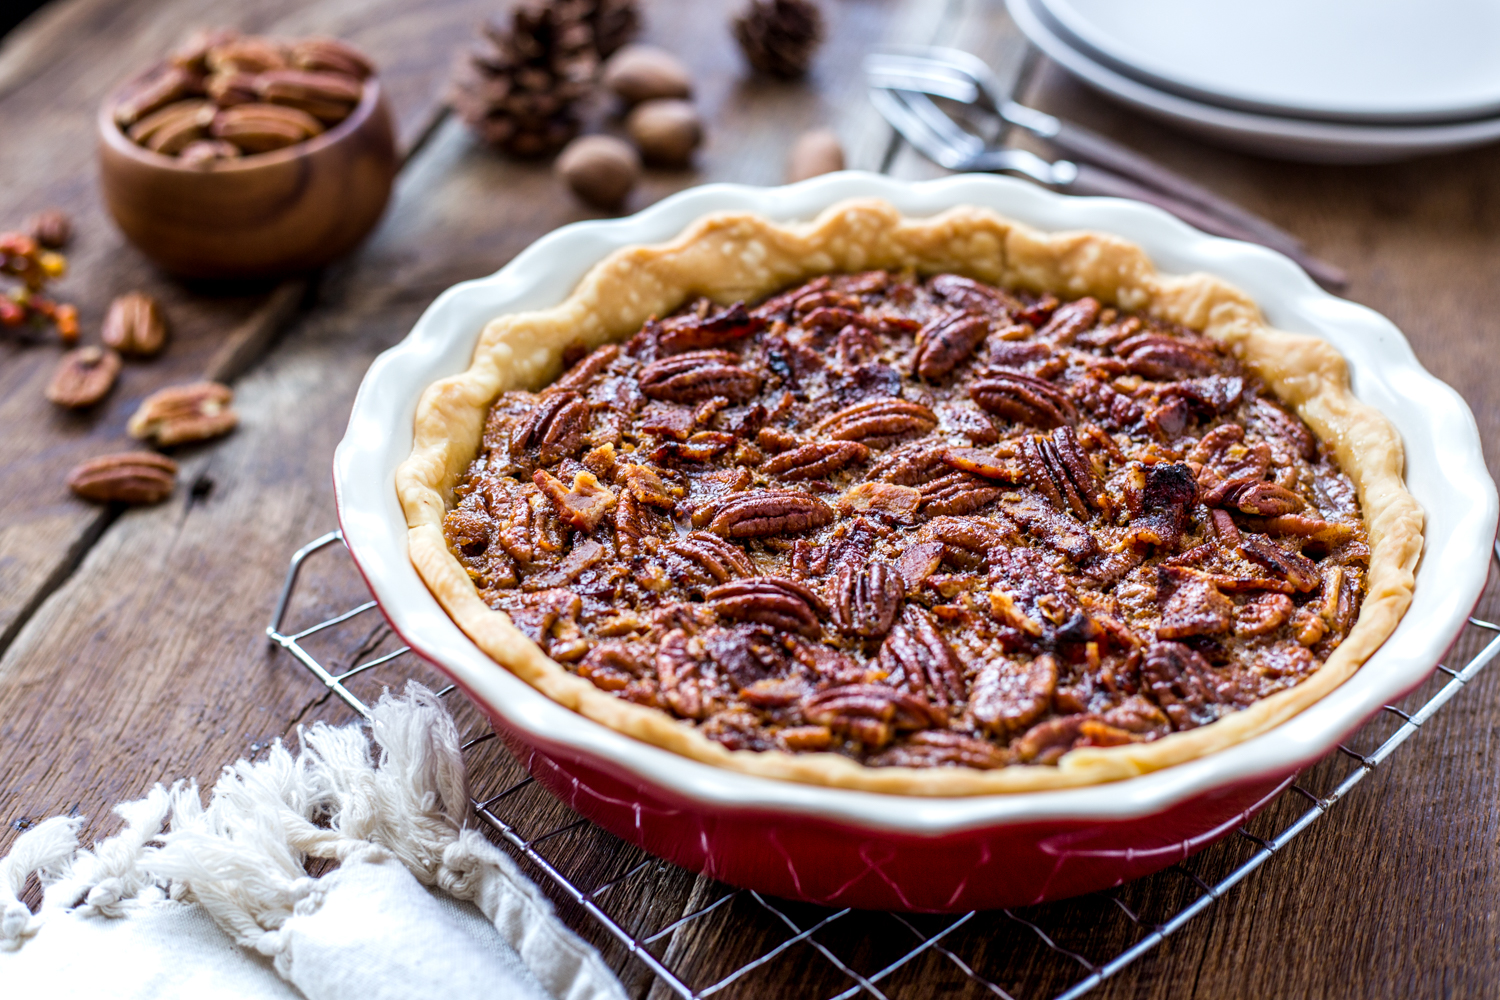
(849, 848)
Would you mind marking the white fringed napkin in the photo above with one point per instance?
(207, 901)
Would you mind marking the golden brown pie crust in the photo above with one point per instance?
(734, 256)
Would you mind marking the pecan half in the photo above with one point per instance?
(1023, 399)
(169, 130)
(770, 600)
(183, 413)
(916, 655)
(583, 505)
(614, 665)
(633, 521)
(583, 555)
(232, 87)
(1059, 470)
(698, 376)
(713, 557)
(260, 128)
(1007, 697)
(1262, 498)
(878, 421)
(1286, 432)
(328, 97)
(946, 342)
(1298, 570)
(1070, 320)
(768, 512)
(136, 477)
(1263, 615)
(83, 377)
(910, 466)
(249, 54)
(1188, 689)
(957, 493)
(941, 748)
(966, 293)
(867, 598)
(1154, 355)
(815, 460)
(680, 676)
(869, 713)
(1195, 608)
(330, 55)
(594, 363)
(1225, 458)
(694, 332)
(167, 86)
(555, 429)
(135, 325)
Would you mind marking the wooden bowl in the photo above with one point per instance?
(283, 212)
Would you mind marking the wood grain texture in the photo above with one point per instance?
(149, 660)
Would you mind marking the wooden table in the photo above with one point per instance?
(132, 646)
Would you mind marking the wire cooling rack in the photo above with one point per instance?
(669, 933)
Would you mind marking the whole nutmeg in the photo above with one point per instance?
(665, 131)
(815, 152)
(135, 325)
(644, 72)
(600, 169)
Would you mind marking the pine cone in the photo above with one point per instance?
(779, 36)
(519, 91)
(615, 22)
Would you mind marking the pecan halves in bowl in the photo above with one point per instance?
(1024, 399)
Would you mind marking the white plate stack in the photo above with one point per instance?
(1334, 81)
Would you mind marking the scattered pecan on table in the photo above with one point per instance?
(916, 522)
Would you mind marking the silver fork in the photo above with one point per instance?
(901, 83)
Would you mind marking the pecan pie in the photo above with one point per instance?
(901, 527)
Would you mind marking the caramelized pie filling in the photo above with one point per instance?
(915, 522)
